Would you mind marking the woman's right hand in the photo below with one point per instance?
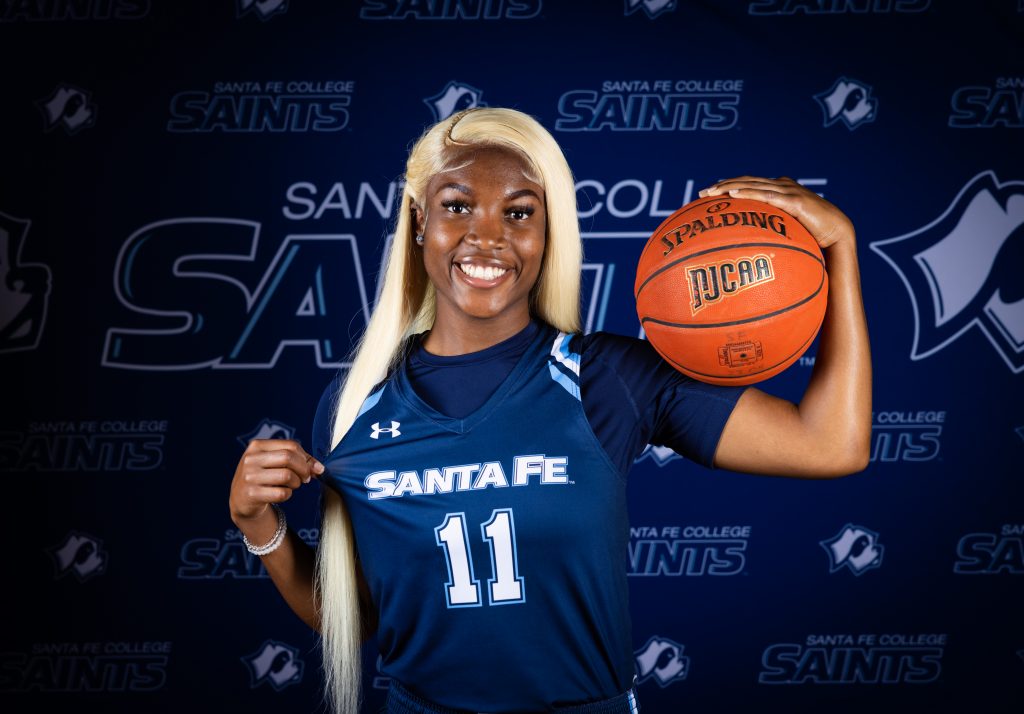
(269, 472)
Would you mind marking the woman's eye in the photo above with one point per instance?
(520, 214)
(455, 206)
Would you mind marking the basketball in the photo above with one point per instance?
(731, 290)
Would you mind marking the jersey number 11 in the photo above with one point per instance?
(462, 588)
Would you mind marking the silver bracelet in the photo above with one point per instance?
(276, 541)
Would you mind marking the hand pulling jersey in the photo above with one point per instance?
(494, 545)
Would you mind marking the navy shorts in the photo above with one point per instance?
(402, 701)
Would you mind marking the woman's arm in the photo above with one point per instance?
(829, 432)
(268, 472)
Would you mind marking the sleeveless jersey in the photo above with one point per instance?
(494, 545)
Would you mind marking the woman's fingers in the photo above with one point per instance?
(273, 477)
(281, 453)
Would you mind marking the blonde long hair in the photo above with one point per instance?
(406, 306)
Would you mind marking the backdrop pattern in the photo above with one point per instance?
(190, 238)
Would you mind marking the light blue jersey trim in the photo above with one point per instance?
(370, 402)
(559, 376)
(560, 351)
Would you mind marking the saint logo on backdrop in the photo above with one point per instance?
(105, 666)
(652, 105)
(475, 10)
(68, 107)
(962, 270)
(254, 106)
(855, 547)
(24, 289)
(848, 101)
(263, 9)
(662, 660)
(79, 553)
(865, 658)
(455, 97)
(835, 7)
(906, 436)
(986, 107)
(687, 550)
(274, 663)
(72, 10)
(651, 8)
(991, 553)
(203, 292)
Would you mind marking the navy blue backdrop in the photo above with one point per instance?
(196, 202)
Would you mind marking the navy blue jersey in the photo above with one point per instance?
(494, 545)
(630, 396)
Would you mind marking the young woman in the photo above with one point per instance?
(474, 458)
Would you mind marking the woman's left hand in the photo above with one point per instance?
(822, 219)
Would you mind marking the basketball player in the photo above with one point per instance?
(473, 462)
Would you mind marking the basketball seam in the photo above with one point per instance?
(663, 268)
(747, 375)
(755, 318)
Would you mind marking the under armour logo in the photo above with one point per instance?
(377, 431)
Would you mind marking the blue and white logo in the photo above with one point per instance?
(275, 663)
(848, 101)
(962, 270)
(268, 429)
(81, 554)
(856, 547)
(24, 289)
(263, 9)
(455, 97)
(69, 107)
(652, 8)
(662, 660)
(377, 430)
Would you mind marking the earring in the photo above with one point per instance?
(419, 239)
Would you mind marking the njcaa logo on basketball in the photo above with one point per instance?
(652, 105)
(855, 659)
(835, 7)
(687, 550)
(450, 10)
(86, 667)
(227, 557)
(255, 107)
(985, 107)
(76, 446)
(906, 435)
(996, 553)
(711, 282)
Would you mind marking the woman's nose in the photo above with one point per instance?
(487, 232)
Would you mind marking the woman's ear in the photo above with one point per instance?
(419, 219)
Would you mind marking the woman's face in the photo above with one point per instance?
(484, 226)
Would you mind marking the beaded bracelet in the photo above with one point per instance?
(276, 541)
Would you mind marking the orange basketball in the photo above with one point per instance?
(731, 290)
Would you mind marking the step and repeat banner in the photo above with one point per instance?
(192, 220)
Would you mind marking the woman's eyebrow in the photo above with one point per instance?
(457, 186)
(523, 192)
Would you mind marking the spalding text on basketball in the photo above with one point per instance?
(711, 282)
(755, 219)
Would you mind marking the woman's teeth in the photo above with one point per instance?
(480, 272)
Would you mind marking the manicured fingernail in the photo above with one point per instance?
(733, 191)
(318, 467)
(307, 479)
